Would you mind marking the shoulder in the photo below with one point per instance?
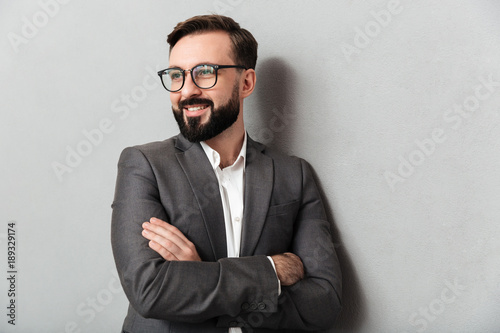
(156, 146)
(152, 150)
(281, 160)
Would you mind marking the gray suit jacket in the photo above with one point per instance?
(174, 181)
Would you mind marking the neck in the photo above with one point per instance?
(228, 144)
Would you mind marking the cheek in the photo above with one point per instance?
(174, 99)
(219, 101)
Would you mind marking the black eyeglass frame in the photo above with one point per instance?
(183, 71)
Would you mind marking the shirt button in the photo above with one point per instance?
(237, 219)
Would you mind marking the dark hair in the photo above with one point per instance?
(244, 44)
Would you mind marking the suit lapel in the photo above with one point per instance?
(204, 184)
(258, 187)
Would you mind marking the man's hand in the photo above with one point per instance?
(169, 241)
(289, 268)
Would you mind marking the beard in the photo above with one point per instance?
(220, 119)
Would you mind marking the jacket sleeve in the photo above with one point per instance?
(314, 302)
(177, 290)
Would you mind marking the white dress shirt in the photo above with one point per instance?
(231, 186)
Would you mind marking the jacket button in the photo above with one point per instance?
(262, 306)
(253, 306)
(245, 306)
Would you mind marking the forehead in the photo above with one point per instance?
(209, 47)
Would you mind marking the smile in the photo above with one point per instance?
(195, 110)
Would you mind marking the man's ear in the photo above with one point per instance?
(248, 83)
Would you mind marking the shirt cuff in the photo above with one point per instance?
(274, 267)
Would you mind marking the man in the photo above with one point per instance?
(212, 231)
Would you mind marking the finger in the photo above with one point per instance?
(167, 255)
(162, 241)
(172, 239)
(169, 232)
(169, 227)
(165, 230)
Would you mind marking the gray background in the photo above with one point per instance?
(358, 88)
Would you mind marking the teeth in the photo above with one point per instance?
(196, 108)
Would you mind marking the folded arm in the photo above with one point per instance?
(191, 291)
(172, 245)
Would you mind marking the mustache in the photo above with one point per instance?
(195, 100)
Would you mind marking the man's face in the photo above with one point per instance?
(204, 113)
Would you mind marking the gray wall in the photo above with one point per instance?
(396, 104)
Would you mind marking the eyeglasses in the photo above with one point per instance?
(204, 76)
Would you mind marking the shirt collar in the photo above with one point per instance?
(214, 157)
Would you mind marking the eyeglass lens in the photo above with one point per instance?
(204, 76)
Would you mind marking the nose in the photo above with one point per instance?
(189, 89)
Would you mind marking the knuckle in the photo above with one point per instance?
(167, 244)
